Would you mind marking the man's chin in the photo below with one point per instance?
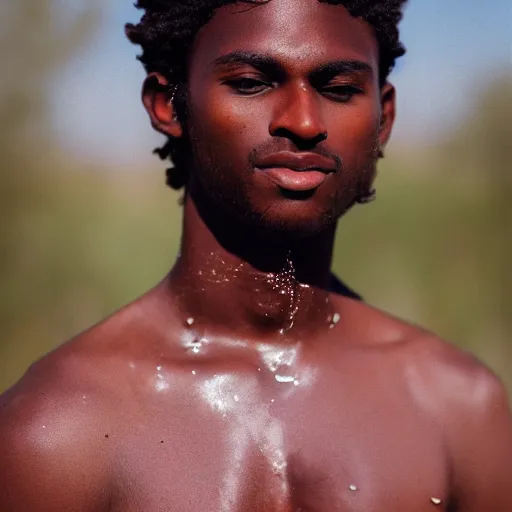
(271, 213)
(298, 222)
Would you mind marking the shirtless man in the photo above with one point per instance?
(249, 379)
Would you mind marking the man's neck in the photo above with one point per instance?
(240, 282)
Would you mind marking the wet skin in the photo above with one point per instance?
(241, 382)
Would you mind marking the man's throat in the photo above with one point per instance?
(238, 297)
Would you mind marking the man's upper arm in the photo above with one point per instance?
(48, 460)
(483, 449)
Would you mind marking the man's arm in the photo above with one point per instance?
(51, 460)
(483, 449)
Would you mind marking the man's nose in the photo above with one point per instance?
(298, 117)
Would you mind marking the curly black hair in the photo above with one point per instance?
(168, 28)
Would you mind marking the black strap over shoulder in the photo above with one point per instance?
(342, 289)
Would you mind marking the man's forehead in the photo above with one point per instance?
(289, 30)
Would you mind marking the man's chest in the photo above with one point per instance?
(327, 455)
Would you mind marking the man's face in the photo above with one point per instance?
(284, 112)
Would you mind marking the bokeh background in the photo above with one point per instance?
(88, 225)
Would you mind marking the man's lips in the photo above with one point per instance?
(297, 172)
(295, 181)
(297, 162)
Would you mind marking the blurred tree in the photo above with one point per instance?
(488, 137)
(485, 143)
(72, 246)
(37, 39)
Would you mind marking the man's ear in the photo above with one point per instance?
(388, 110)
(157, 99)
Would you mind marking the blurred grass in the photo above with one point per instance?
(94, 243)
(77, 242)
(428, 251)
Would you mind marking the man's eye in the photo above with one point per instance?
(248, 86)
(341, 93)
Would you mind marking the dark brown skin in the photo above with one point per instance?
(241, 383)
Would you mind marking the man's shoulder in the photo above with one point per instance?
(467, 402)
(70, 391)
(450, 383)
(438, 372)
(59, 401)
(470, 406)
(56, 423)
(51, 437)
(450, 378)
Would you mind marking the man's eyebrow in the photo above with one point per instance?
(269, 64)
(341, 67)
(261, 61)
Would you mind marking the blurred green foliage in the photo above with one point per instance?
(77, 242)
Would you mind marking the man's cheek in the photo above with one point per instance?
(211, 136)
(360, 146)
(361, 125)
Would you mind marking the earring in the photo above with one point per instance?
(367, 197)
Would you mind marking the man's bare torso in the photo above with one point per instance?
(359, 420)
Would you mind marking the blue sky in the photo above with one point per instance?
(455, 48)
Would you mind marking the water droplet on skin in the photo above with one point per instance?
(196, 345)
(436, 501)
(281, 331)
(277, 359)
(279, 467)
(44, 426)
(193, 372)
(235, 398)
(190, 321)
(335, 320)
(158, 368)
(284, 378)
(296, 382)
(161, 384)
(352, 487)
(272, 401)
